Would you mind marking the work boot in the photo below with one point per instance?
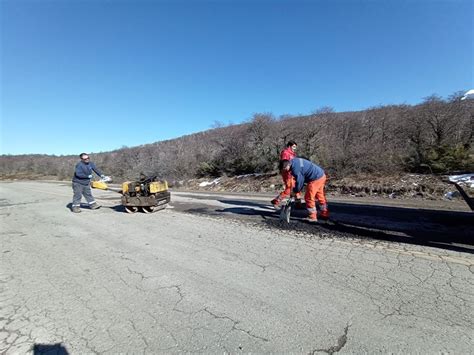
(324, 214)
(312, 218)
(95, 206)
(76, 209)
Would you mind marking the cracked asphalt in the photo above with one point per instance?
(187, 280)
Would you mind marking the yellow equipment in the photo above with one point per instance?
(153, 186)
(148, 194)
(99, 185)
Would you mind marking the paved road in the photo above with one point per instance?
(189, 279)
(436, 227)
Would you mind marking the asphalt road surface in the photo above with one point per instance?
(220, 273)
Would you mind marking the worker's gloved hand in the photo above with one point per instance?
(90, 176)
(275, 202)
(105, 178)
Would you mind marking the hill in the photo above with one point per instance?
(382, 143)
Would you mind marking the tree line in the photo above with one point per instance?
(435, 136)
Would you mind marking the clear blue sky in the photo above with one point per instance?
(98, 75)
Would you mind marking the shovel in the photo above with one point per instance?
(286, 210)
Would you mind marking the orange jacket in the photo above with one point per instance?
(288, 179)
(287, 154)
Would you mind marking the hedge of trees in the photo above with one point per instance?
(435, 136)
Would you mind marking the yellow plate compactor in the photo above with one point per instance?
(148, 194)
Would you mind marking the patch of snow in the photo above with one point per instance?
(207, 183)
(452, 194)
(467, 179)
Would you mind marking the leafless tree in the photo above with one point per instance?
(435, 135)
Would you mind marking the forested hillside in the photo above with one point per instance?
(435, 136)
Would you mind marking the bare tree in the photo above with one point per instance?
(435, 135)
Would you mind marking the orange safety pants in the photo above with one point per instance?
(290, 183)
(315, 192)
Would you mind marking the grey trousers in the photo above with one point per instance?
(80, 190)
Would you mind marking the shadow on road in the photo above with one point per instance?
(43, 349)
(441, 229)
(116, 208)
(264, 206)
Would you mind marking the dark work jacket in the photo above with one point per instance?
(304, 171)
(83, 173)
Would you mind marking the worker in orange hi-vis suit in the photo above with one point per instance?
(286, 154)
(313, 175)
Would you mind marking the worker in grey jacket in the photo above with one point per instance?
(81, 183)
